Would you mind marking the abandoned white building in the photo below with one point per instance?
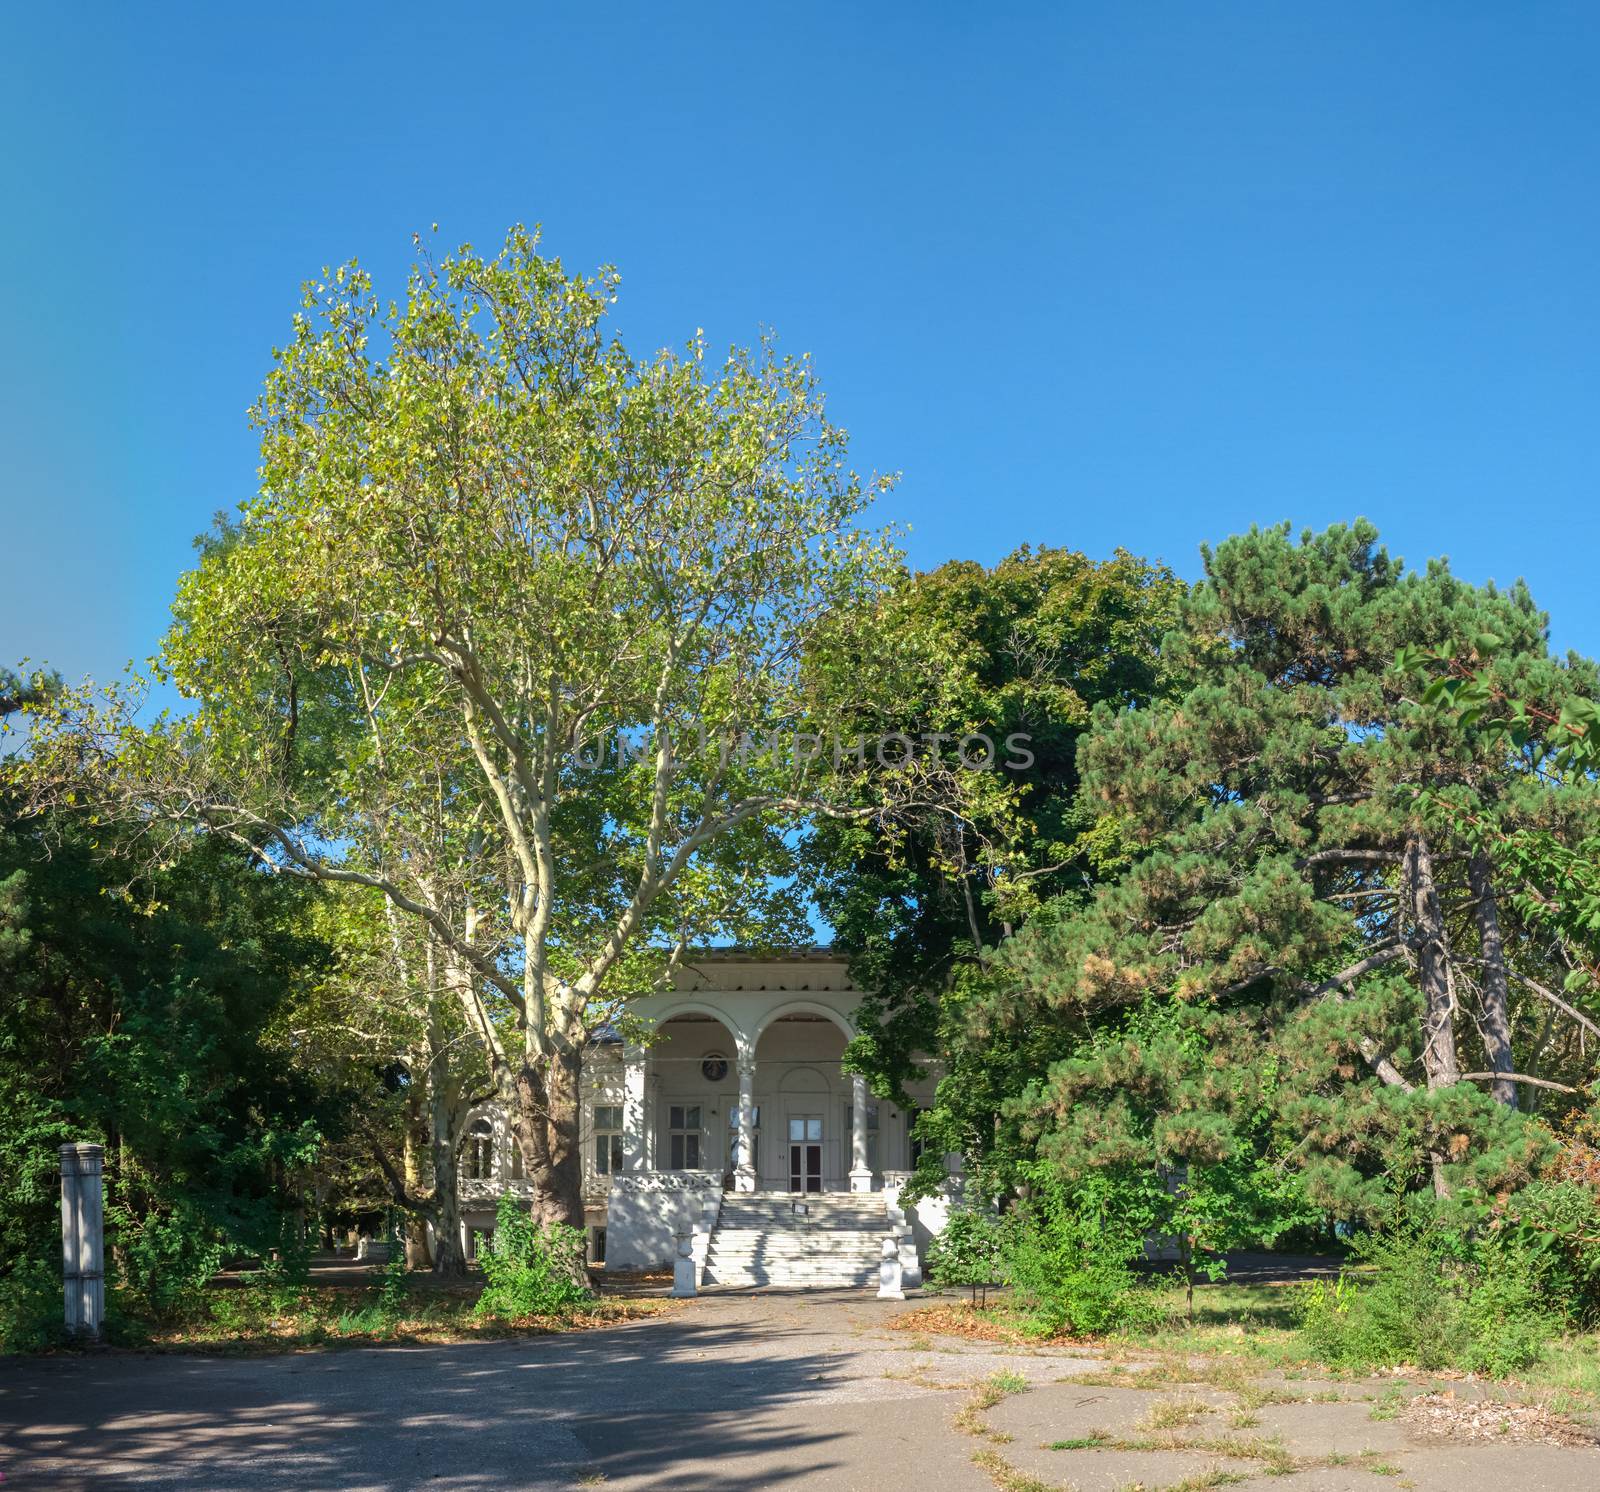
(736, 1125)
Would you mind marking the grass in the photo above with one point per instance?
(1252, 1327)
(1390, 1404)
(258, 1319)
(1006, 1476)
(1174, 1414)
(969, 1419)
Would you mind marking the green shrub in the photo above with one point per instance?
(31, 1307)
(967, 1251)
(531, 1270)
(1558, 1223)
(167, 1258)
(366, 1321)
(1072, 1269)
(395, 1291)
(1439, 1296)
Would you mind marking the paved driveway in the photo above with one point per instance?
(734, 1392)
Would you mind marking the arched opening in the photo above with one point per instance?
(694, 1067)
(805, 1101)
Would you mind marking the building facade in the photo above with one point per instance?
(740, 1091)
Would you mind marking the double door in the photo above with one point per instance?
(805, 1152)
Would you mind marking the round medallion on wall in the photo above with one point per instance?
(713, 1067)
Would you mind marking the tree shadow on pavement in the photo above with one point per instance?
(603, 1406)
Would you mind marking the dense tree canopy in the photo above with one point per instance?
(495, 639)
(1298, 872)
(1022, 653)
(136, 1013)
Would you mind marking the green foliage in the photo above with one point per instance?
(31, 1307)
(1440, 1295)
(168, 1257)
(1555, 1225)
(1169, 1114)
(1068, 1257)
(1028, 647)
(1296, 899)
(967, 1250)
(395, 1289)
(531, 1269)
(134, 1007)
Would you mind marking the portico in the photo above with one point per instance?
(752, 1088)
(737, 1089)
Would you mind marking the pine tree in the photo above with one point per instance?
(1318, 864)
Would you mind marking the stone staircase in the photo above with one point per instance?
(782, 1240)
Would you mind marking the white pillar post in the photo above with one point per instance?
(685, 1272)
(860, 1171)
(744, 1170)
(891, 1284)
(635, 1125)
(82, 1237)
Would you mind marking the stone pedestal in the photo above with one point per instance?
(83, 1237)
(685, 1272)
(890, 1282)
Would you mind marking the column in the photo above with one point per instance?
(635, 1125)
(82, 1237)
(744, 1170)
(860, 1172)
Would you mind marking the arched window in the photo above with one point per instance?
(479, 1151)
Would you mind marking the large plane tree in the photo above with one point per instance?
(511, 637)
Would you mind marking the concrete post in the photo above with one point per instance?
(83, 1237)
(744, 1171)
(860, 1171)
(890, 1286)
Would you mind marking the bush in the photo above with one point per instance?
(967, 1251)
(1439, 1297)
(1072, 1269)
(531, 1270)
(31, 1307)
(167, 1258)
(1556, 1222)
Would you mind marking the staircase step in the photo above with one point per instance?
(827, 1240)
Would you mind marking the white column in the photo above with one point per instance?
(635, 1124)
(82, 1237)
(744, 1170)
(860, 1172)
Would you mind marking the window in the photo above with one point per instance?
(872, 1132)
(479, 1151)
(607, 1139)
(683, 1124)
(517, 1173)
(912, 1115)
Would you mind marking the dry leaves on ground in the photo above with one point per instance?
(1445, 1417)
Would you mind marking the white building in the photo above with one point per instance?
(737, 1127)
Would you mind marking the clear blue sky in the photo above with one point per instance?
(1088, 274)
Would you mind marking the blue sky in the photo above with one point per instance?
(1087, 274)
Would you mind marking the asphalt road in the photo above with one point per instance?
(732, 1392)
(793, 1393)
